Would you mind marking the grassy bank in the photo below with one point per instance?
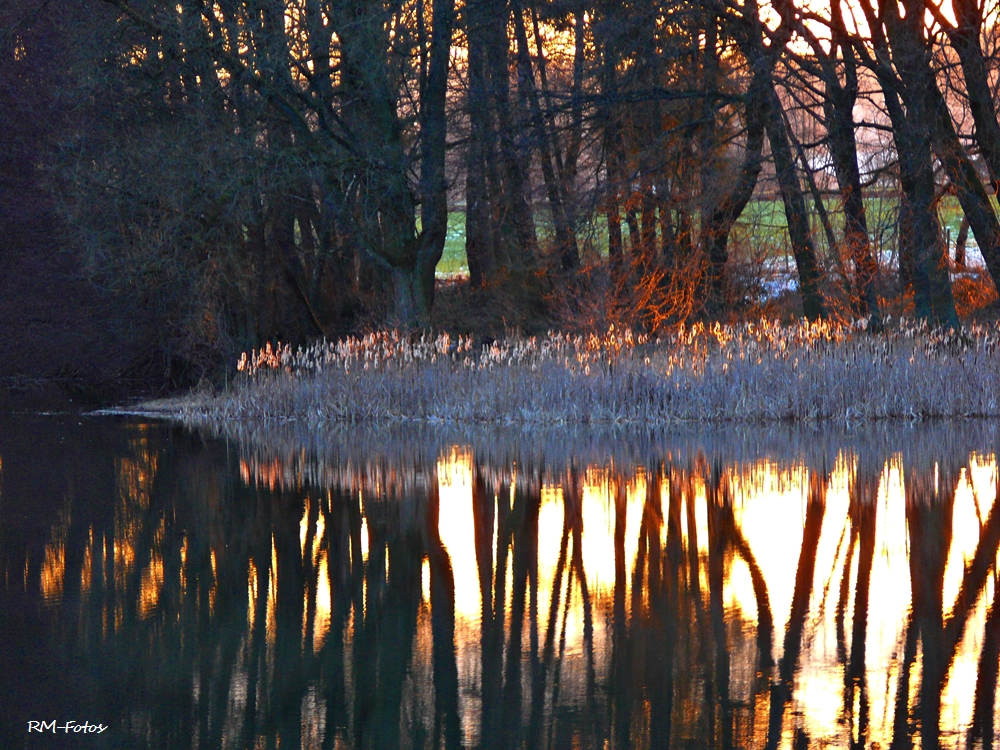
(755, 372)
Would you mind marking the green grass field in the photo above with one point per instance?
(760, 231)
(453, 259)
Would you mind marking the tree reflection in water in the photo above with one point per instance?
(232, 599)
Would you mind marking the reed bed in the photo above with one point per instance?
(753, 373)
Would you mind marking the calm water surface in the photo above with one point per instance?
(754, 589)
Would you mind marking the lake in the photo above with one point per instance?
(272, 587)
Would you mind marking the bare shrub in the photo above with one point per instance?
(974, 291)
(649, 297)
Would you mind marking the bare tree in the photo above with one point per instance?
(763, 59)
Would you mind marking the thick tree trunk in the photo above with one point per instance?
(632, 222)
(969, 187)
(838, 107)
(843, 149)
(434, 131)
(920, 232)
(960, 241)
(906, 253)
(920, 242)
(385, 222)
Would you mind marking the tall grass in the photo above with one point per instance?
(753, 372)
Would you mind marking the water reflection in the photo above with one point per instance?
(203, 594)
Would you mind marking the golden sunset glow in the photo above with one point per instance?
(214, 587)
(183, 566)
(272, 597)
(456, 527)
(87, 569)
(251, 595)
(570, 611)
(314, 555)
(150, 586)
(124, 562)
(324, 603)
(53, 570)
(770, 506)
(609, 375)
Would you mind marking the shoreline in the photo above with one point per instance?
(753, 374)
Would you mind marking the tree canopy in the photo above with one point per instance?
(249, 169)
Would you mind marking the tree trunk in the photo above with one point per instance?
(479, 228)
(762, 62)
(385, 215)
(839, 107)
(612, 157)
(921, 235)
(960, 241)
(721, 207)
(515, 208)
(433, 132)
(565, 235)
(796, 216)
(965, 40)
(409, 308)
(969, 188)
(920, 242)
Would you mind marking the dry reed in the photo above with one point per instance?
(752, 372)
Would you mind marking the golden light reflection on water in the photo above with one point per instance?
(272, 597)
(598, 534)
(324, 604)
(52, 576)
(312, 530)
(252, 589)
(87, 569)
(770, 503)
(149, 588)
(975, 495)
(364, 536)
(609, 552)
(53, 570)
(183, 566)
(769, 506)
(456, 527)
(213, 585)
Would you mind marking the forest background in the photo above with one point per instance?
(182, 181)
